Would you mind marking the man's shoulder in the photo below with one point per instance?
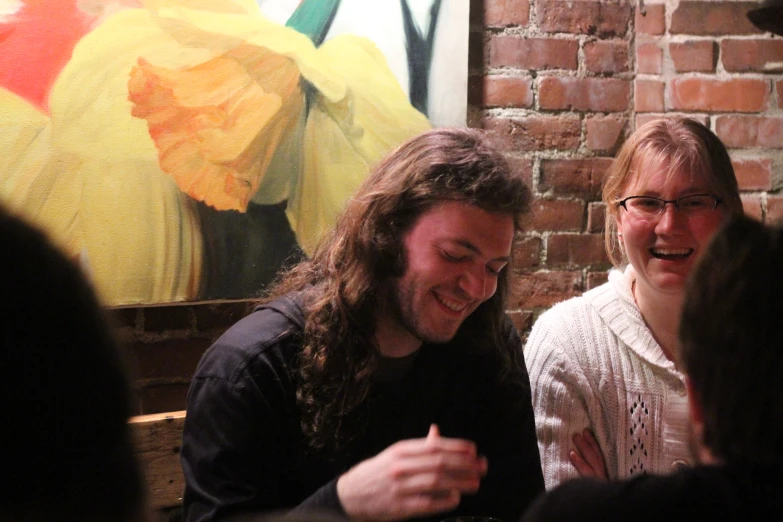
(269, 336)
(704, 492)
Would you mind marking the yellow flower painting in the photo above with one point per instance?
(188, 149)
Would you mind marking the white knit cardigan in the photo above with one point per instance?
(593, 363)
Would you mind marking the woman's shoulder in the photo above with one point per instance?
(579, 308)
(572, 328)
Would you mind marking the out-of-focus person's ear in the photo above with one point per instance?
(695, 411)
(768, 16)
(700, 451)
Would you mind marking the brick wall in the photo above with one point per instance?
(561, 83)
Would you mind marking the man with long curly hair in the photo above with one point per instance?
(381, 380)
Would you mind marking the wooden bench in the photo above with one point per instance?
(158, 439)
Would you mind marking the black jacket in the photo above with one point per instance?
(243, 449)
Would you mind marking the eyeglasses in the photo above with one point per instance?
(648, 206)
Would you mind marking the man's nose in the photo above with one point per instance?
(478, 284)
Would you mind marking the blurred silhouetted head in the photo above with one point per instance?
(65, 398)
(732, 342)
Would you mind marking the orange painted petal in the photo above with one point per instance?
(217, 125)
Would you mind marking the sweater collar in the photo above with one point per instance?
(616, 306)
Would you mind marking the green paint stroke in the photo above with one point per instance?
(314, 18)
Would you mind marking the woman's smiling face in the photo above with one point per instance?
(663, 249)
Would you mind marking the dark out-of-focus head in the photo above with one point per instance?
(65, 399)
(732, 342)
(679, 146)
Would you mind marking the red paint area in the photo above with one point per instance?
(36, 43)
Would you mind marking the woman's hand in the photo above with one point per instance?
(587, 458)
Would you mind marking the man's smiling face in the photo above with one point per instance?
(454, 254)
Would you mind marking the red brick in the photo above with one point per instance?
(652, 20)
(527, 253)
(161, 318)
(162, 398)
(695, 56)
(583, 94)
(750, 131)
(596, 279)
(752, 206)
(533, 53)
(779, 91)
(583, 17)
(606, 56)
(523, 321)
(535, 133)
(753, 173)
(734, 95)
(543, 289)
(523, 167)
(648, 96)
(641, 119)
(172, 358)
(604, 132)
(774, 210)
(649, 59)
(750, 55)
(501, 13)
(712, 18)
(557, 214)
(507, 91)
(574, 176)
(596, 217)
(575, 250)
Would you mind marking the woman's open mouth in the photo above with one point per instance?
(670, 254)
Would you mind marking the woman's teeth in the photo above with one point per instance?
(671, 253)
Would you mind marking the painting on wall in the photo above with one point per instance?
(187, 150)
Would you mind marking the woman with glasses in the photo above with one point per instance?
(608, 394)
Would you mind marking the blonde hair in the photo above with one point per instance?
(680, 144)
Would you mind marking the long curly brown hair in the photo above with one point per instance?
(354, 264)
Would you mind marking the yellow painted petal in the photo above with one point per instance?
(104, 193)
(92, 89)
(217, 6)
(344, 139)
(25, 135)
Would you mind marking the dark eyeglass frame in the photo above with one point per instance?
(675, 202)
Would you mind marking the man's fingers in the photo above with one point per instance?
(434, 433)
(437, 484)
(417, 505)
(459, 465)
(434, 444)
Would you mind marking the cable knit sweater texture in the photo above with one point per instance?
(594, 364)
